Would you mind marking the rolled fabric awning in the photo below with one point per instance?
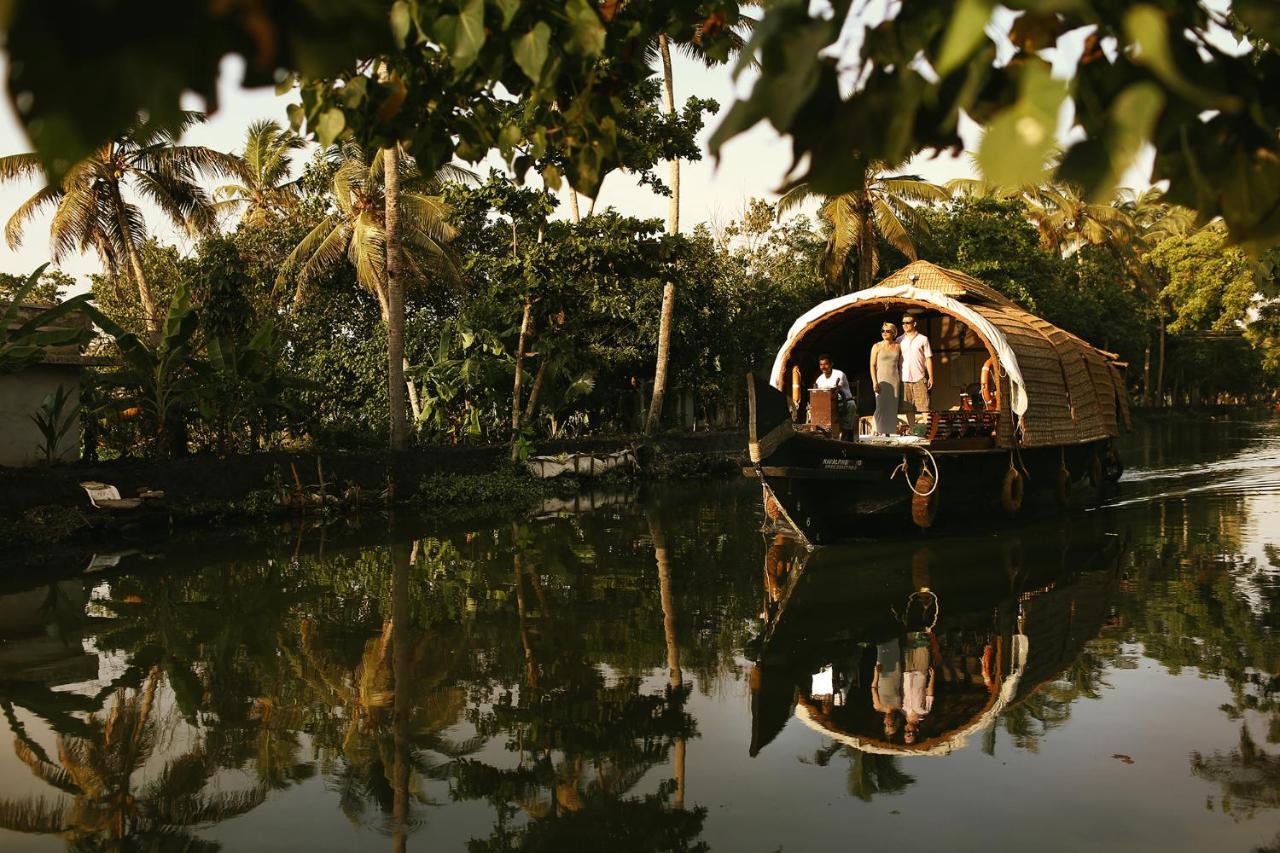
(981, 325)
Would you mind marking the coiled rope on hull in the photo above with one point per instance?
(935, 476)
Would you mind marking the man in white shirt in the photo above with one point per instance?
(831, 379)
(917, 369)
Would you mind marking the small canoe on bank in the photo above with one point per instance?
(1060, 404)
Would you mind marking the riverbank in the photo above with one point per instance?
(47, 506)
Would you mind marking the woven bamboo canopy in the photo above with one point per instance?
(1061, 389)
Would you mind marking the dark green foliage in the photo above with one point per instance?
(116, 296)
(26, 338)
(1151, 72)
(687, 466)
(43, 525)
(993, 241)
(130, 57)
(52, 286)
(505, 487)
(158, 379)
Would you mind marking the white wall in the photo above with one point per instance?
(21, 394)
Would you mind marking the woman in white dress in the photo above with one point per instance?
(886, 377)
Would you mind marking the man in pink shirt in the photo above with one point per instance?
(917, 369)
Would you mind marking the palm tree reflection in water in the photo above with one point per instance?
(107, 809)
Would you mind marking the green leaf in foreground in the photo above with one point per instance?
(588, 31)
(964, 34)
(530, 50)
(1021, 138)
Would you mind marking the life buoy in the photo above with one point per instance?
(772, 510)
(924, 501)
(1011, 491)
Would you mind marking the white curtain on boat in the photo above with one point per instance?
(983, 326)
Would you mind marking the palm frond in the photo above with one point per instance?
(35, 816)
(186, 204)
(132, 233)
(76, 217)
(846, 234)
(368, 252)
(45, 770)
(150, 133)
(794, 197)
(427, 218)
(892, 228)
(302, 262)
(910, 188)
(14, 167)
(220, 807)
(453, 173)
(28, 210)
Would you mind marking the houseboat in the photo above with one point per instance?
(1059, 404)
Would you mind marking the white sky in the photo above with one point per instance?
(752, 165)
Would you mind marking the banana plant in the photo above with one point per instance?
(160, 378)
(54, 419)
(25, 343)
(458, 379)
(242, 385)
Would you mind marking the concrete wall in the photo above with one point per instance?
(21, 394)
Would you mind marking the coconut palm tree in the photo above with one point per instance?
(356, 231)
(1068, 222)
(693, 47)
(96, 205)
(884, 206)
(265, 186)
(1153, 220)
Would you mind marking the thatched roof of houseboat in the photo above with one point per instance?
(1063, 390)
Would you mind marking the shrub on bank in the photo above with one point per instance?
(43, 525)
(508, 485)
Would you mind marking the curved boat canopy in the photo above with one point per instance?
(1059, 389)
(991, 336)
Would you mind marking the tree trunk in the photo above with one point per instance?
(402, 706)
(1146, 374)
(1160, 366)
(150, 316)
(868, 255)
(574, 212)
(673, 227)
(526, 326)
(664, 352)
(415, 404)
(676, 676)
(532, 407)
(530, 662)
(669, 104)
(395, 300)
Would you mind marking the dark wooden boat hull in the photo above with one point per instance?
(826, 489)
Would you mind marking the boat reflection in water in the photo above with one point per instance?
(913, 651)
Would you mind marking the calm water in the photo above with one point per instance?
(657, 675)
